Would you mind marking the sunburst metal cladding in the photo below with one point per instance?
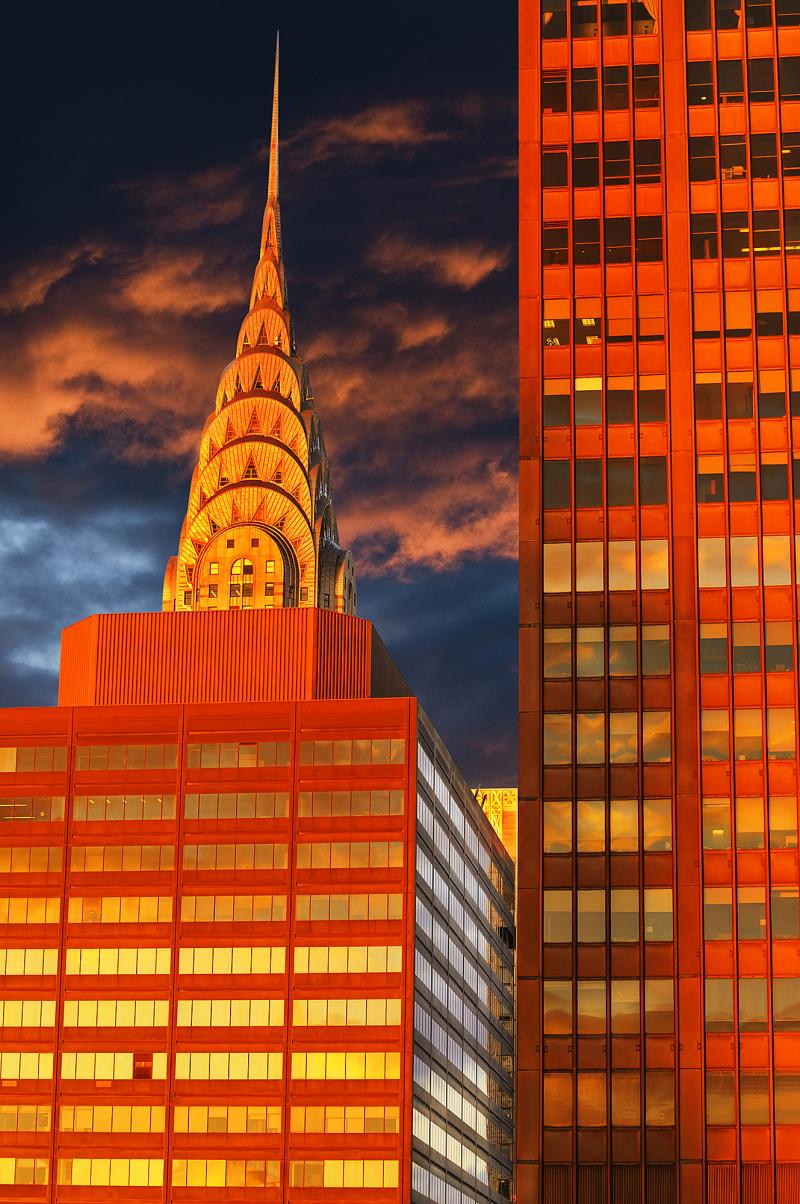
(260, 528)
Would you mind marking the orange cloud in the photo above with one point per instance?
(215, 197)
(463, 266)
(30, 285)
(181, 283)
(405, 124)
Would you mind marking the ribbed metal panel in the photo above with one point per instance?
(214, 656)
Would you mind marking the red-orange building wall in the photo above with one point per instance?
(660, 401)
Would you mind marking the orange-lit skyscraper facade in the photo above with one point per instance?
(659, 961)
(256, 933)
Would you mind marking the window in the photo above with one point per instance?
(554, 167)
(646, 85)
(784, 915)
(774, 477)
(621, 481)
(746, 648)
(742, 477)
(787, 1097)
(618, 250)
(557, 739)
(719, 1005)
(753, 994)
(557, 654)
(747, 741)
(649, 242)
(655, 649)
(557, 913)
(761, 80)
(659, 1005)
(766, 234)
(655, 563)
(616, 163)
(652, 481)
(749, 822)
(624, 914)
(702, 159)
(647, 161)
(556, 484)
(557, 817)
(619, 397)
(652, 399)
(789, 75)
(623, 743)
(555, 245)
(591, 916)
(589, 567)
(625, 1098)
(590, 652)
(591, 1099)
(764, 155)
(744, 560)
(697, 14)
(588, 322)
(556, 405)
(720, 1097)
(650, 326)
(790, 154)
(786, 1005)
(615, 88)
(591, 826)
(624, 823)
(730, 82)
(780, 733)
(557, 1099)
(751, 916)
(586, 240)
(716, 823)
(710, 479)
(787, 12)
(699, 83)
(584, 89)
(585, 165)
(591, 1007)
(735, 235)
(554, 88)
(557, 1002)
(704, 236)
(625, 1003)
(717, 913)
(658, 825)
(783, 821)
(759, 13)
(622, 652)
(557, 567)
(590, 744)
(769, 321)
(707, 395)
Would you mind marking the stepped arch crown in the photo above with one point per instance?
(260, 530)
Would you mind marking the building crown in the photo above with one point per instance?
(260, 528)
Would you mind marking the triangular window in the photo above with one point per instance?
(237, 388)
(277, 476)
(262, 335)
(245, 340)
(281, 521)
(214, 526)
(276, 430)
(251, 472)
(257, 380)
(230, 433)
(276, 385)
(254, 426)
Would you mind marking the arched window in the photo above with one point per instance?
(241, 583)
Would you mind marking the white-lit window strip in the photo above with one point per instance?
(28, 961)
(243, 804)
(215, 909)
(33, 910)
(346, 1013)
(24, 1118)
(235, 858)
(451, 998)
(44, 808)
(241, 959)
(451, 952)
(23, 1064)
(455, 908)
(428, 1131)
(429, 1184)
(455, 809)
(30, 859)
(228, 1118)
(111, 1172)
(224, 1065)
(230, 1013)
(116, 1013)
(120, 909)
(428, 1079)
(121, 858)
(112, 1118)
(450, 1048)
(27, 1013)
(21, 1170)
(146, 960)
(105, 1065)
(348, 959)
(106, 808)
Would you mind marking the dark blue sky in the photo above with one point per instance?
(135, 156)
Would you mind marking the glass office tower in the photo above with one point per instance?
(659, 960)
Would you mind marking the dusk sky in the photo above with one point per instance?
(135, 156)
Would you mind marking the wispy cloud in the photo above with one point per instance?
(402, 126)
(180, 204)
(181, 283)
(31, 283)
(462, 265)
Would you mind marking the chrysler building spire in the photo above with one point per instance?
(260, 529)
